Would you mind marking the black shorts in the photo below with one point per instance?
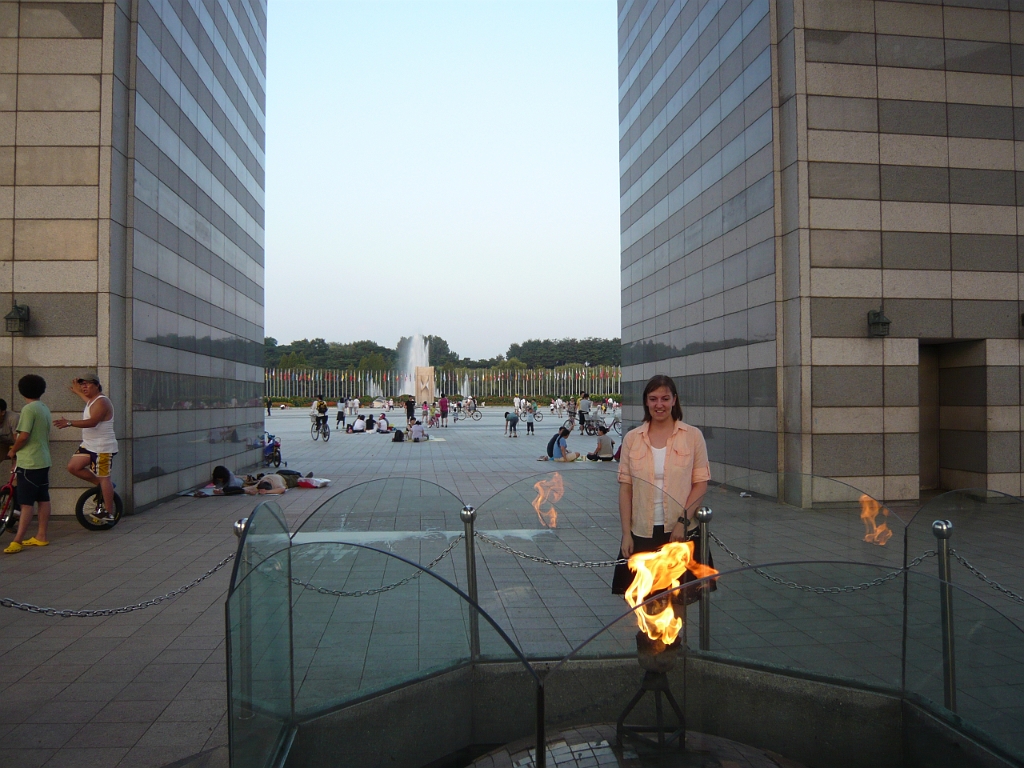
(33, 486)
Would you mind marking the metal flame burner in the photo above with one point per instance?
(657, 660)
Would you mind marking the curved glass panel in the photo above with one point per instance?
(266, 532)
(546, 554)
(366, 621)
(389, 504)
(381, 642)
(411, 518)
(987, 652)
(259, 660)
(774, 517)
(987, 534)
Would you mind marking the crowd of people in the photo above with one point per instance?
(432, 415)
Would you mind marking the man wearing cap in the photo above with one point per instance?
(92, 460)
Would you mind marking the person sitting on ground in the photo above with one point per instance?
(359, 425)
(605, 450)
(226, 483)
(560, 451)
(371, 425)
(382, 424)
(419, 434)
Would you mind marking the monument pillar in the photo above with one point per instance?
(425, 389)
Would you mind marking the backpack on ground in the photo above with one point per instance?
(398, 437)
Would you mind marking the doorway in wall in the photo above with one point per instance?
(928, 428)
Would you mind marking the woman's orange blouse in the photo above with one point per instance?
(686, 463)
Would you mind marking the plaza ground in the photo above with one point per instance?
(147, 688)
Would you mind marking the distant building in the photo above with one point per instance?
(131, 225)
(789, 166)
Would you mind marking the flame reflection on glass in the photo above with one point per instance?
(873, 532)
(548, 492)
(655, 572)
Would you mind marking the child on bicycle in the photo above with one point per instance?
(31, 450)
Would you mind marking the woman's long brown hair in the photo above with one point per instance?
(657, 382)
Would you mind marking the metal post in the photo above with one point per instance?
(468, 515)
(943, 530)
(704, 515)
(245, 630)
(540, 760)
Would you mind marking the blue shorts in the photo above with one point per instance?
(33, 486)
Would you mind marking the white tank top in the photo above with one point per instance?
(99, 439)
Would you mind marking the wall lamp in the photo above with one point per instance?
(878, 323)
(16, 320)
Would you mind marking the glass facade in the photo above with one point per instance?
(697, 216)
(198, 241)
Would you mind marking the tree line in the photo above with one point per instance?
(369, 355)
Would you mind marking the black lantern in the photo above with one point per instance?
(878, 324)
(17, 319)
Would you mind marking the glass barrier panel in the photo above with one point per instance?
(366, 621)
(546, 552)
(834, 620)
(775, 517)
(265, 534)
(390, 504)
(986, 534)
(988, 648)
(259, 662)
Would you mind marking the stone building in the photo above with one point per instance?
(787, 168)
(131, 225)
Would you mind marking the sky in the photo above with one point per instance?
(442, 167)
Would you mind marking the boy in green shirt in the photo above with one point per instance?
(31, 450)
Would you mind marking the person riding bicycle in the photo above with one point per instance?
(584, 410)
(319, 410)
(95, 455)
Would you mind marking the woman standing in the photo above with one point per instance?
(669, 460)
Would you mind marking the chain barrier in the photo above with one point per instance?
(994, 584)
(548, 561)
(825, 590)
(379, 590)
(6, 602)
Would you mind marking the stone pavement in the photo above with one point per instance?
(147, 688)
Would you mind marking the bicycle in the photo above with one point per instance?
(9, 512)
(617, 425)
(271, 450)
(467, 413)
(317, 430)
(434, 422)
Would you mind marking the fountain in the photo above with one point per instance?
(417, 373)
(464, 390)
